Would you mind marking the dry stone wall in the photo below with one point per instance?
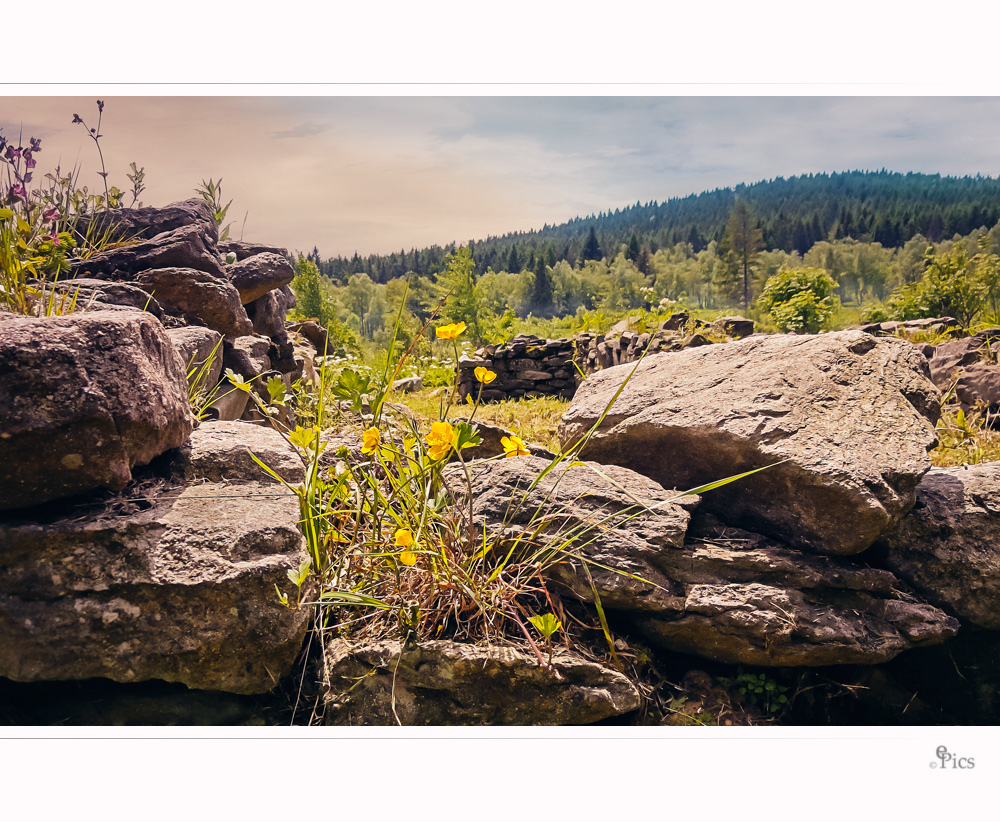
(530, 366)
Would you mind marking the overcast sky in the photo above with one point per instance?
(377, 174)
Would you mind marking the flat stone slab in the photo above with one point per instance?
(448, 683)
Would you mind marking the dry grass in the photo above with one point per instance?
(533, 420)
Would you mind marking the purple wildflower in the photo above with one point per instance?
(18, 192)
(51, 215)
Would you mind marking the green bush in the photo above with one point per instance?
(799, 299)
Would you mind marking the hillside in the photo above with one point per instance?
(794, 213)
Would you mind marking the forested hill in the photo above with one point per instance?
(793, 213)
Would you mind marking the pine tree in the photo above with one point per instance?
(541, 295)
(591, 248)
(739, 249)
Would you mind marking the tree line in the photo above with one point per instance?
(792, 214)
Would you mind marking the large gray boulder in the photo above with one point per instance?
(849, 416)
(174, 581)
(84, 398)
(448, 683)
(948, 546)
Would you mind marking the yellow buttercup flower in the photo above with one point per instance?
(514, 447)
(370, 440)
(404, 538)
(440, 439)
(484, 375)
(407, 558)
(451, 331)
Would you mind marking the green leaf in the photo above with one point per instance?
(276, 390)
(547, 624)
(303, 437)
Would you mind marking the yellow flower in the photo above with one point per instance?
(484, 375)
(440, 440)
(404, 538)
(370, 440)
(514, 447)
(450, 332)
(407, 558)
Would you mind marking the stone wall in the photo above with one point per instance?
(530, 366)
(527, 366)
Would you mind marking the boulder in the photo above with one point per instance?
(447, 683)
(175, 581)
(84, 398)
(593, 514)
(220, 451)
(850, 417)
(125, 224)
(267, 314)
(247, 356)
(198, 297)
(948, 546)
(736, 327)
(314, 333)
(191, 246)
(254, 276)
(200, 350)
(745, 599)
(408, 385)
(692, 585)
(85, 291)
(243, 250)
(951, 357)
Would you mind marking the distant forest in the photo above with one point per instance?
(793, 214)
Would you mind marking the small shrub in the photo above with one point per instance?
(799, 300)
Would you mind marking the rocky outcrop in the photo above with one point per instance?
(85, 398)
(948, 546)
(717, 592)
(446, 683)
(849, 417)
(743, 598)
(174, 581)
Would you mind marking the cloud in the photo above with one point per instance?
(301, 130)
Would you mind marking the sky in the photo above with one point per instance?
(376, 174)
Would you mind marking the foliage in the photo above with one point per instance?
(965, 438)
(953, 285)
(762, 691)
(39, 222)
(314, 302)
(211, 193)
(738, 252)
(799, 300)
